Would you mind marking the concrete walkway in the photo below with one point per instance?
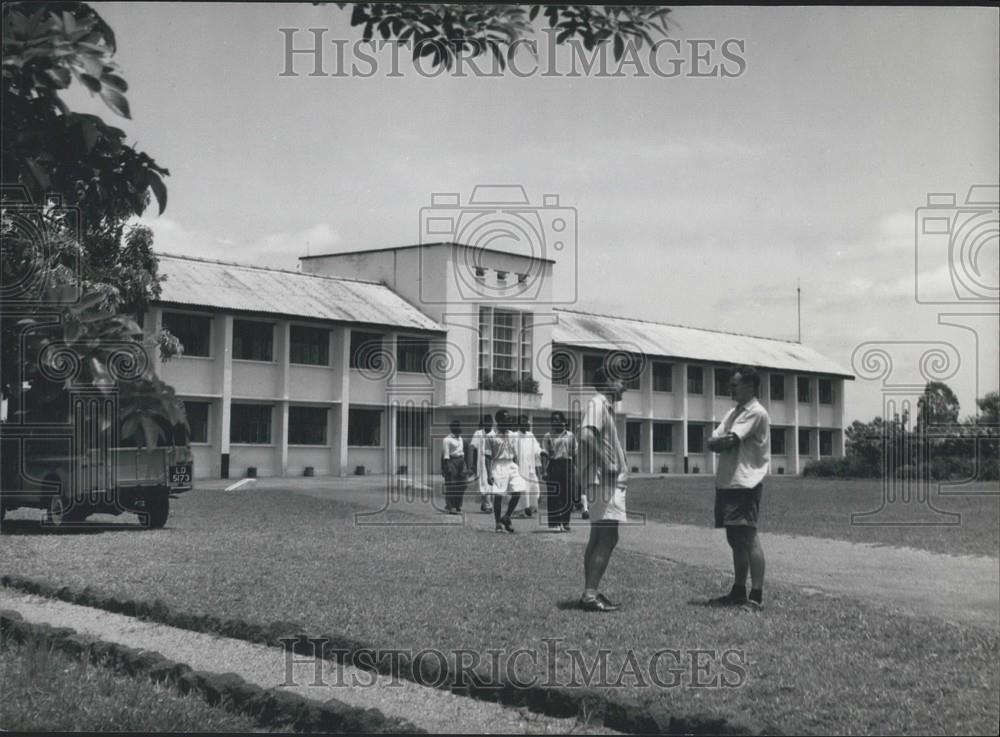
(438, 711)
(954, 588)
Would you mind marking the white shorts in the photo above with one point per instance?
(606, 503)
(507, 478)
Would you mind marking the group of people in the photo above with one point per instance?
(590, 472)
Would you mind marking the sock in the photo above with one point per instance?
(512, 505)
(756, 595)
(590, 593)
(496, 511)
(738, 592)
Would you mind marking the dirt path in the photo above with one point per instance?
(432, 709)
(954, 588)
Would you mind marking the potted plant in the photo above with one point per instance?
(252, 472)
(310, 471)
(359, 470)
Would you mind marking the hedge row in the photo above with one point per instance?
(269, 707)
(556, 702)
(938, 469)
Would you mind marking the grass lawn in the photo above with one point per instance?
(823, 507)
(45, 690)
(813, 664)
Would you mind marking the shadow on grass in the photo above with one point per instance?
(35, 527)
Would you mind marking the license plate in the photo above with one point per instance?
(180, 474)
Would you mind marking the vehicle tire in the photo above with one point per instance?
(60, 512)
(157, 510)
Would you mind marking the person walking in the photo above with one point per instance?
(742, 442)
(504, 477)
(604, 473)
(559, 452)
(478, 445)
(454, 469)
(529, 460)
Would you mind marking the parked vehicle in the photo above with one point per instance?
(73, 472)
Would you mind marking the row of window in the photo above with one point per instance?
(251, 424)
(663, 439)
(663, 378)
(254, 341)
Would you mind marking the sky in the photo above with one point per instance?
(702, 201)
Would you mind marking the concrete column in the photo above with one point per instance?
(223, 380)
(392, 406)
(794, 399)
(683, 388)
(709, 389)
(841, 444)
(647, 446)
(151, 324)
(282, 347)
(341, 362)
(814, 396)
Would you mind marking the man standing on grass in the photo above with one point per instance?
(504, 477)
(479, 462)
(742, 442)
(453, 469)
(604, 476)
(529, 461)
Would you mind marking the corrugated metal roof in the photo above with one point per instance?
(605, 332)
(226, 286)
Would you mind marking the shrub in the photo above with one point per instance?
(848, 467)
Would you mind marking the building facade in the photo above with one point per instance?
(359, 362)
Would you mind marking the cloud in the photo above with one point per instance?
(279, 249)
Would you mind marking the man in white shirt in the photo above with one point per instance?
(453, 469)
(742, 442)
(504, 476)
(529, 462)
(604, 477)
(479, 450)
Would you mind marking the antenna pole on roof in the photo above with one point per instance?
(798, 300)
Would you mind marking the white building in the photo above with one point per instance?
(359, 362)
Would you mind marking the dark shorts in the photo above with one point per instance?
(737, 507)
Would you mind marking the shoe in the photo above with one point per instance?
(499, 528)
(597, 604)
(447, 510)
(528, 512)
(565, 528)
(507, 525)
(456, 510)
(484, 507)
(585, 515)
(608, 602)
(728, 600)
(751, 606)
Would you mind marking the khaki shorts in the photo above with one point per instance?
(507, 479)
(606, 503)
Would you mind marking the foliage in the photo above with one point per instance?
(938, 406)
(47, 147)
(506, 383)
(444, 31)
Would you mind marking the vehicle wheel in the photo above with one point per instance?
(157, 510)
(60, 511)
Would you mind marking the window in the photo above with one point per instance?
(366, 350)
(410, 427)
(663, 377)
(307, 425)
(193, 331)
(696, 438)
(364, 428)
(778, 441)
(253, 341)
(777, 387)
(722, 377)
(505, 345)
(633, 437)
(803, 442)
(250, 423)
(825, 391)
(695, 380)
(629, 369)
(805, 393)
(826, 442)
(411, 355)
(197, 417)
(562, 367)
(663, 437)
(310, 346)
(590, 366)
